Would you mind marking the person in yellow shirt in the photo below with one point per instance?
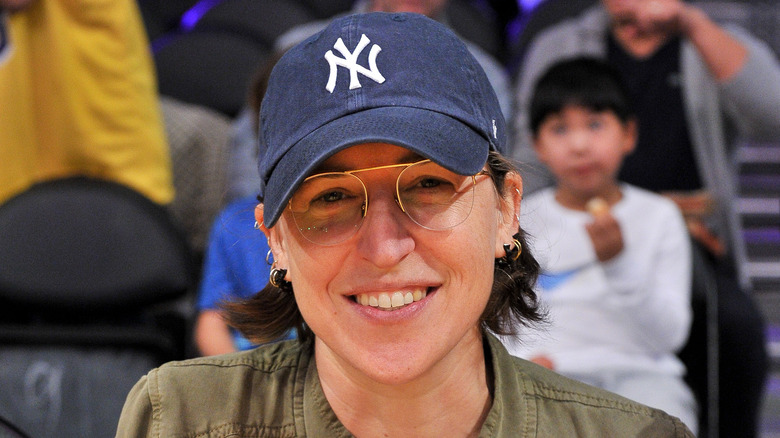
(78, 96)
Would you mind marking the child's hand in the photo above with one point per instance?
(604, 231)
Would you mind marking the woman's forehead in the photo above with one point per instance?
(367, 155)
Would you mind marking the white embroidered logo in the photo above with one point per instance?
(349, 61)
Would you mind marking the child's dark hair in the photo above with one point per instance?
(586, 82)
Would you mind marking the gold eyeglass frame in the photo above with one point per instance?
(397, 196)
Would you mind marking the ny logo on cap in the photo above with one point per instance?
(349, 61)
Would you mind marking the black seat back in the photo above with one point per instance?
(92, 279)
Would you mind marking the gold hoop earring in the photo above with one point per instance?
(513, 253)
(276, 278)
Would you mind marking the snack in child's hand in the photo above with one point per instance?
(597, 206)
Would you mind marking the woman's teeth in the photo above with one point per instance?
(390, 301)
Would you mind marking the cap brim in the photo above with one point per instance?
(433, 135)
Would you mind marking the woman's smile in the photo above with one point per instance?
(391, 300)
(394, 308)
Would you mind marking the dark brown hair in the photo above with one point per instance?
(272, 312)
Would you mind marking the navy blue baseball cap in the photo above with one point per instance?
(398, 78)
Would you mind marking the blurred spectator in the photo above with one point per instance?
(235, 268)
(696, 86)
(78, 97)
(237, 262)
(616, 259)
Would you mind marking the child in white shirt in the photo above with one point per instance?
(616, 259)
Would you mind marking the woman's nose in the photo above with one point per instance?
(384, 238)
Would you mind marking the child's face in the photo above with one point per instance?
(584, 149)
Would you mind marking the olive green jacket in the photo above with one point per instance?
(274, 391)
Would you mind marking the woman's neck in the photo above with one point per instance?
(453, 397)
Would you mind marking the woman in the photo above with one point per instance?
(392, 218)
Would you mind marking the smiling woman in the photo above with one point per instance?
(392, 216)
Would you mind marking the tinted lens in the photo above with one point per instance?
(433, 197)
(328, 208)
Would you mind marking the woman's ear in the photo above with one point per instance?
(274, 239)
(509, 215)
